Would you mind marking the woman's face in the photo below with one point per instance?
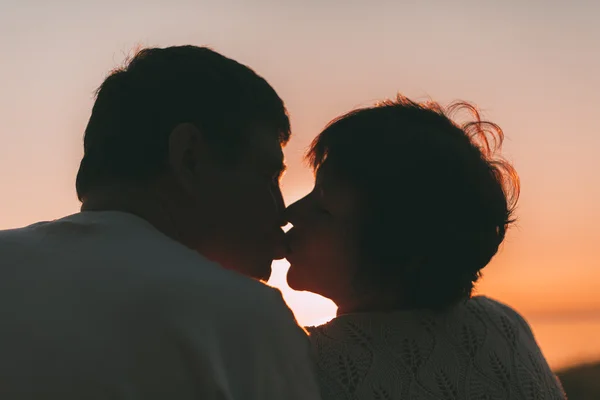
(323, 251)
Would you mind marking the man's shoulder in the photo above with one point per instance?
(226, 292)
(10, 233)
(148, 265)
(20, 239)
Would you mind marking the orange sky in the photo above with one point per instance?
(532, 68)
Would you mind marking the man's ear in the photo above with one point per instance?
(186, 145)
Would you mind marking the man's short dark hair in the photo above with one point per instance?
(436, 200)
(137, 106)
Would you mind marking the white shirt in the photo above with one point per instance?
(481, 349)
(101, 305)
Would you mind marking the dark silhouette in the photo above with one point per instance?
(128, 298)
(434, 201)
(581, 382)
(408, 207)
(184, 134)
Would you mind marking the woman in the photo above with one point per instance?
(408, 207)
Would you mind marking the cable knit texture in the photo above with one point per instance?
(480, 349)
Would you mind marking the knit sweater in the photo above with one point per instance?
(480, 349)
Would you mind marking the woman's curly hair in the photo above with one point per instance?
(437, 199)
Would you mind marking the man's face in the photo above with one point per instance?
(243, 208)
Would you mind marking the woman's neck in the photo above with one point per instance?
(369, 303)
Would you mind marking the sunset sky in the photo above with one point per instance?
(531, 66)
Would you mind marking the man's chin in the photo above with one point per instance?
(263, 274)
(264, 278)
(255, 271)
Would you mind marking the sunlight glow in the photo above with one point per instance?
(310, 309)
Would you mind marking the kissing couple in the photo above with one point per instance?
(153, 290)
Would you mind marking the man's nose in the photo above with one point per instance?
(279, 205)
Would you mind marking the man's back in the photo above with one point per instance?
(102, 305)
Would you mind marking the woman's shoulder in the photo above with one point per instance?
(497, 312)
(480, 334)
(477, 311)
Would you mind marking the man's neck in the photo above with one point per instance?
(142, 202)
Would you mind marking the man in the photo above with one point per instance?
(139, 296)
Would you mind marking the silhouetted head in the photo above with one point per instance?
(408, 207)
(192, 141)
